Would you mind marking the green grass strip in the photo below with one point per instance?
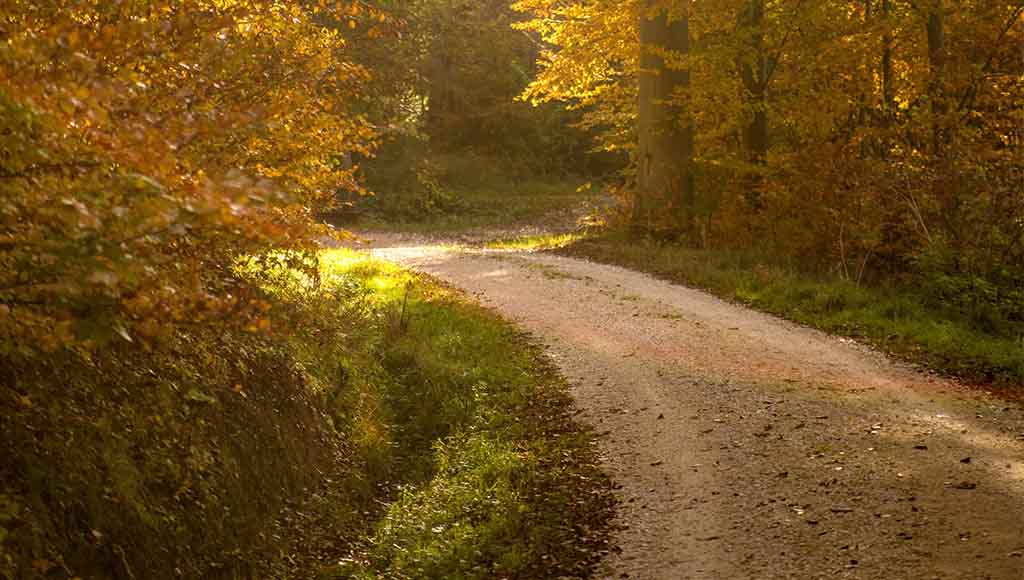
(508, 484)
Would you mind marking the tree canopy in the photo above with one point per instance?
(146, 145)
(855, 134)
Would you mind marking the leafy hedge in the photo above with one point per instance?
(272, 453)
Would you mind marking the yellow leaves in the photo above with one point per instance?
(156, 148)
(593, 65)
(261, 325)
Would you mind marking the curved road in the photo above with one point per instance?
(749, 447)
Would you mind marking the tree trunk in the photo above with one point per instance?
(753, 67)
(937, 64)
(665, 176)
(888, 95)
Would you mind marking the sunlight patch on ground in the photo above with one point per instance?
(500, 273)
(994, 448)
(405, 253)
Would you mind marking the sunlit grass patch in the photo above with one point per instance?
(536, 243)
(459, 409)
(471, 512)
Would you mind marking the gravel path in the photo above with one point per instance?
(749, 447)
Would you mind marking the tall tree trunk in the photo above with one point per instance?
(888, 94)
(753, 66)
(944, 187)
(937, 64)
(665, 172)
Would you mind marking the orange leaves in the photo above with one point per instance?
(260, 325)
(146, 145)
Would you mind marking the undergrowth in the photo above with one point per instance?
(455, 193)
(382, 419)
(903, 320)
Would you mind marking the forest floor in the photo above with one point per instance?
(746, 446)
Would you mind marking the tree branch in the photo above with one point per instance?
(971, 92)
(773, 61)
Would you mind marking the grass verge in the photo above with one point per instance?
(508, 484)
(900, 321)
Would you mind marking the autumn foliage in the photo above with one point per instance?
(892, 130)
(145, 145)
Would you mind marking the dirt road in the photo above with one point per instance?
(750, 447)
